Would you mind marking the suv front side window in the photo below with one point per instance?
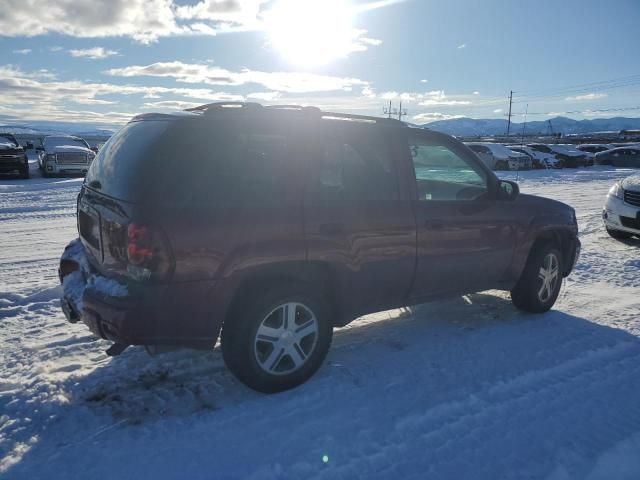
(442, 174)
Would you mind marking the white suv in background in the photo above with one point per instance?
(65, 154)
(621, 213)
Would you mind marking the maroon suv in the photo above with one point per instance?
(276, 224)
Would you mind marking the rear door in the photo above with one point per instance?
(356, 218)
(465, 237)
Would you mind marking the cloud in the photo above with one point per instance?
(143, 20)
(292, 82)
(226, 11)
(497, 110)
(264, 96)
(476, 92)
(23, 51)
(93, 53)
(438, 97)
(461, 46)
(428, 117)
(586, 97)
(39, 94)
(424, 80)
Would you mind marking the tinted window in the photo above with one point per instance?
(119, 168)
(213, 162)
(355, 164)
(444, 174)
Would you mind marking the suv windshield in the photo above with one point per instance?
(50, 142)
(6, 137)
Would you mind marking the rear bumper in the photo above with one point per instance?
(169, 314)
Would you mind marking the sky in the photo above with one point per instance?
(102, 61)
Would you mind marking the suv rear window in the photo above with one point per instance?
(119, 166)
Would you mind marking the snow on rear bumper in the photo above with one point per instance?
(186, 313)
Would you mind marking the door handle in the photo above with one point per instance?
(434, 224)
(331, 228)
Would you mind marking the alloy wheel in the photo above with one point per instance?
(548, 275)
(286, 338)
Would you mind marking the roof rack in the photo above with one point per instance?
(222, 105)
(218, 106)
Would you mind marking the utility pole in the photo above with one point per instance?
(392, 111)
(509, 121)
(389, 111)
(401, 113)
(550, 127)
(524, 124)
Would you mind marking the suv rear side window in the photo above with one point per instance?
(355, 164)
(215, 162)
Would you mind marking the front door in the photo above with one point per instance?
(466, 236)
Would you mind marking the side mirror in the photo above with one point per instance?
(29, 146)
(508, 190)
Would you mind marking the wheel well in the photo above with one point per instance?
(318, 276)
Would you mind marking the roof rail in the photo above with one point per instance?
(220, 105)
(360, 118)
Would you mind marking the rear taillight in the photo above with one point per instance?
(148, 253)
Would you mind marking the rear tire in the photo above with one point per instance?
(540, 282)
(618, 234)
(277, 340)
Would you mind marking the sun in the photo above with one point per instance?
(311, 32)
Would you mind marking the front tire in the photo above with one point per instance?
(540, 282)
(278, 340)
(618, 234)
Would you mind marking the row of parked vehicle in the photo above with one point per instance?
(58, 155)
(541, 155)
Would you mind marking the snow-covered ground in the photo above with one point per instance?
(462, 389)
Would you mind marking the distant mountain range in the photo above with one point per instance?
(58, 128)
(472, 127)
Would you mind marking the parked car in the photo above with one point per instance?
(13, 158)
(621, 213)
(628, 157)
(572, 149)
(65, 154)
(499, 157)
(570, 157)
(594, 147)
(276, 225)
(538, 159)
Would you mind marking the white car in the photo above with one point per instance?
(65, 154)
(621, 213)
(539, 159)
(499, 157)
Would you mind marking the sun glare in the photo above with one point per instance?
(311, 32)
